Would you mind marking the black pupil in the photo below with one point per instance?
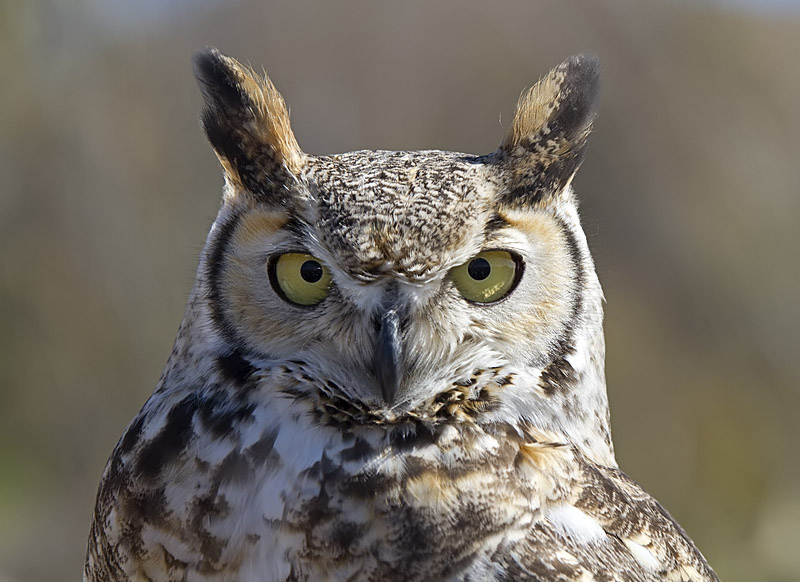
(311, 271)
(479, 269)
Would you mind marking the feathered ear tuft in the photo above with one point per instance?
(247, 123)
(547, 140)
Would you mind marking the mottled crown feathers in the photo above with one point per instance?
(246, 121)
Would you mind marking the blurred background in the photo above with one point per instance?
(690, 197)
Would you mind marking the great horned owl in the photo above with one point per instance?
(390, 368)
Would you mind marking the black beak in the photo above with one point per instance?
(388, 354)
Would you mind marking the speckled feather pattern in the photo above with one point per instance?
(267, 451)
(368, 226)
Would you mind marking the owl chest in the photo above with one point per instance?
(331, 505)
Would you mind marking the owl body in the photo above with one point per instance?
(390, 368)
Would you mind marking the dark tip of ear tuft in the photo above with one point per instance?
(216, 78)
(581, 88)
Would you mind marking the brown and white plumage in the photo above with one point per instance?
(382, 417)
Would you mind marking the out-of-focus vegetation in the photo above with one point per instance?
(690, 198)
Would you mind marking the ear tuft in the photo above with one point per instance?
(246, 121)
(547, 139)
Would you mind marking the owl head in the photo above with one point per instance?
(430, 286)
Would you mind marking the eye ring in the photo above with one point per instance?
(489, 277)
(299, 278)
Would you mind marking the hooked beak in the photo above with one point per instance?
(388, 355)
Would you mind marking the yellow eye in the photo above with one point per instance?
(487, 277)
(300, 278)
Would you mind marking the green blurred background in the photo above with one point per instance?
(689, 197)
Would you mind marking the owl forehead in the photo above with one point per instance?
(411, 213)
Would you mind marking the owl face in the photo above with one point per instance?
(406, 277)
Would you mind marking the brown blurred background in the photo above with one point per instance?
(690, 200)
